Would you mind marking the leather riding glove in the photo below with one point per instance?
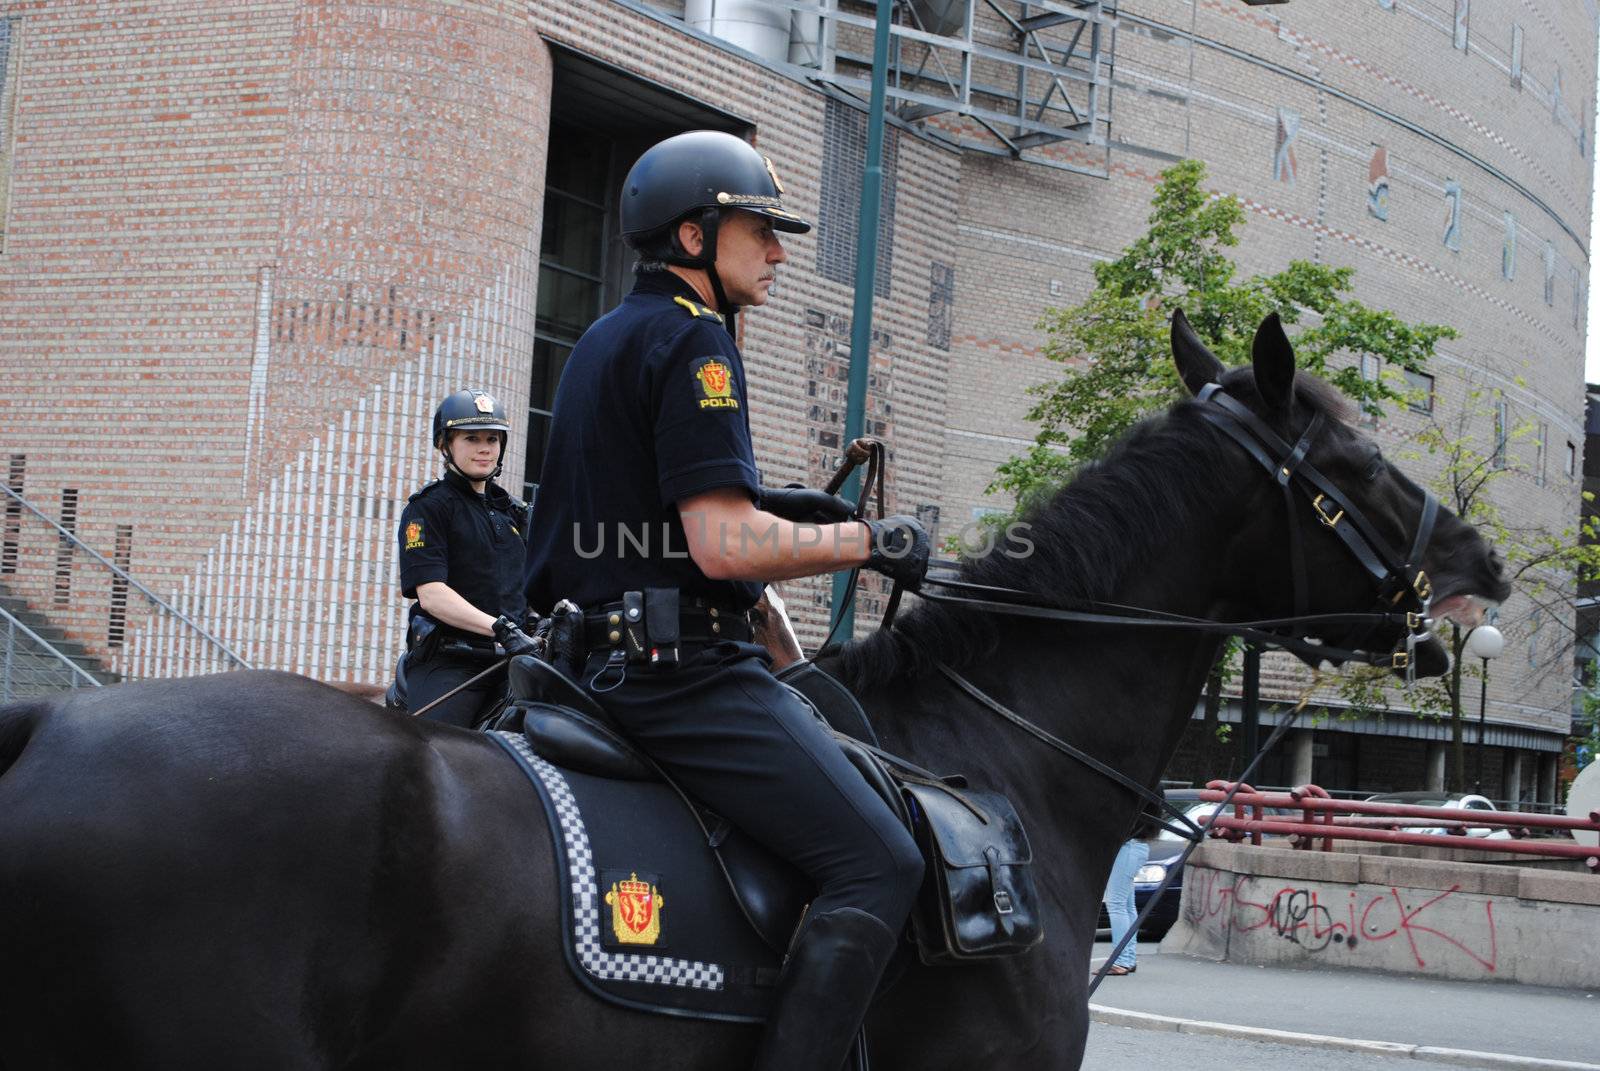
(804, 505)
(512, 639)
(900, 548)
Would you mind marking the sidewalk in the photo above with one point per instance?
(1509, 1023)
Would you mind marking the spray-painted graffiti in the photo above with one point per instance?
(1318, 921)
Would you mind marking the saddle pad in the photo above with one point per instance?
(648, 919)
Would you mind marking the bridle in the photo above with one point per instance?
(1403, 589)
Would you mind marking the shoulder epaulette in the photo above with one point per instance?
(699, 312)
(424, 489)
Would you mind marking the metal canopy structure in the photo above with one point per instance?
(1025, 79)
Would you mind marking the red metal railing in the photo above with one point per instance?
(1325, 819)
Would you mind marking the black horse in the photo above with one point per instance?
(254, 870)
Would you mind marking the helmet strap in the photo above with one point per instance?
(706, 261)
(710, 218)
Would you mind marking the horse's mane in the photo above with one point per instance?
(1086, 534)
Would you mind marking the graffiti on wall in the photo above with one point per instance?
(1419, 922)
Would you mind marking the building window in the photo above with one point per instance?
(1371, 369)
(572, 250)
(1572, 459)
(10, 54)
(1419, 391)
(844, 162)
(1501, 430)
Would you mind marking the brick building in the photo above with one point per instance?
(247, 246)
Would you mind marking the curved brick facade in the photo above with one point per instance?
(253, 243)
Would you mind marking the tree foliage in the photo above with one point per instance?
(1114, 345)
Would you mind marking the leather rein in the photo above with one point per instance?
(1403, 589)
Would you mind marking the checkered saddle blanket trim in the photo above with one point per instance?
(586, 921)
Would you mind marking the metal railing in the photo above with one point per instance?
(70, 538)
(30, 665)
(1322, 820)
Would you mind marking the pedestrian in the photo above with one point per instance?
(461, 555)
(650, 518)
(1120, 906)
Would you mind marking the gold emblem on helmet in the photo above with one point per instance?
(777, 183)
(484, 403)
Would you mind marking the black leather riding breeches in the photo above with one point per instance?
(754, 752)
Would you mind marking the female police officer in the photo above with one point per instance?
(461, 556)
(648, 518)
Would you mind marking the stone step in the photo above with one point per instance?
(31, 663)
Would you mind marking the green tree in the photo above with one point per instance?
(1116, 356)
(1114, 345)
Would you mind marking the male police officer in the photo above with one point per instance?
(461, 558)
(650, 517)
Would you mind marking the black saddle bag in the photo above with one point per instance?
(978, 899)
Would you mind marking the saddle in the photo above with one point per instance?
(978, 900)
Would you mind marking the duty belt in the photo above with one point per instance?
(696, 624)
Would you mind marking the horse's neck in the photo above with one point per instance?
(1122, 695)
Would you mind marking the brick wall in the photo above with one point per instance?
(248, 246)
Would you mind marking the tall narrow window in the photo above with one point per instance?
(1501, 430)
(572, 251)
(1371, 369)
(69, 521)
(844, 163)
(9, 54)
(11, 535)
(122, 556)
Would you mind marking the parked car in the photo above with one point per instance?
(1467, 801)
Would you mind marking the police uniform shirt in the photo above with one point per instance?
(650, 411)
(472, 542)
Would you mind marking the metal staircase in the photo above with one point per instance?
(36, 658)
(57, 586)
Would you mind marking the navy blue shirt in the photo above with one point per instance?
(651, 410)
(472, 542)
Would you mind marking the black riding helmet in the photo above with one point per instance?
(470, 410)
(698, 176)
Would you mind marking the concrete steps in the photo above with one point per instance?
(28, 669)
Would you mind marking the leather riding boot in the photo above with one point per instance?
(827, 983)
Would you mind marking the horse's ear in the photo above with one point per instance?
(1197, 365)
(1273, 359)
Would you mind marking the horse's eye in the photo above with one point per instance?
(1374, 468)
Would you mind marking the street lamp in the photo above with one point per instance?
(1485, 642)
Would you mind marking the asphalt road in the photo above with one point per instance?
(1491, 1017)
(1121, 1048)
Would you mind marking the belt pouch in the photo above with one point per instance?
(422, 640)
(634, 639)
(661, 626)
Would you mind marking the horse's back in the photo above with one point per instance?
(254, 869)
